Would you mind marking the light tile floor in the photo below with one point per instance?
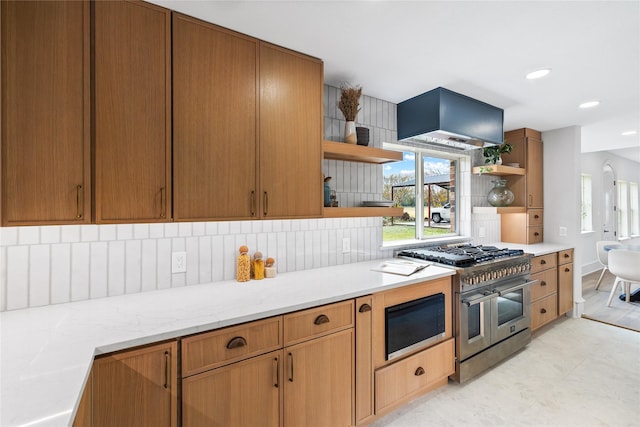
(575, 372)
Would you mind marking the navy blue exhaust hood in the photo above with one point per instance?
(442, 117)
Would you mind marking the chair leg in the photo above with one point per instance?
(627, 291)
(604, 269)
(613, 290)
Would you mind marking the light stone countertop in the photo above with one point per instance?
(46, 353)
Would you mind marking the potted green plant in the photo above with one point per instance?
(492, 155)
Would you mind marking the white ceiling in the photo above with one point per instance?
(397, 49)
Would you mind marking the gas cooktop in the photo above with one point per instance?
(460, 256)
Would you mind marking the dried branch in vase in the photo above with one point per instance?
(349, 101)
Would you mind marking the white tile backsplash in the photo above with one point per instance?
(39, 274)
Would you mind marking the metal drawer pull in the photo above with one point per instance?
(536, 216)
(543, 310)
(236, 342)
(566, 255)
(419, 371)
(536, 233)
(567, 269)
(543, 262)
(321, 319)
(364, 308)
(543, 283)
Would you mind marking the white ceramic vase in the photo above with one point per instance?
(350, 136)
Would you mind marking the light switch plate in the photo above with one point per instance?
(178, 262)
(563, 231)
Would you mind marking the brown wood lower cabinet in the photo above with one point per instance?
(246, 393)
(552, 295)
(318, 384)
(137, 387)
(414, 375)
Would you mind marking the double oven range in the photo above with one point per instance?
(490, 304)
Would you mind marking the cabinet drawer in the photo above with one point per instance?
(399, 380)
(543, 262)
(534, 217)
(534, 235)
(317, 321)
(565, 257)
(213, 349)
(543, 311)
(547, 284)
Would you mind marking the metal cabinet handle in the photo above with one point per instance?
(567, 269)
(530, 200)
(536, 216)
(321, 319)
(364, 308)
(236, 342)
(252, 203)
(419, 371)
(566, 255)
(162, 203)
(79, 200)
(290, 367)
(543, 262)
(543, 283)
(276, 371)
(265, 199)
(167, 368)
(543, 310)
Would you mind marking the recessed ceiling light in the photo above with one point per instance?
(589, 104)
(538, 73)
(629, 132)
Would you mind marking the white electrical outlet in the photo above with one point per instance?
(178, 262)
(563, 231)
(346, 245)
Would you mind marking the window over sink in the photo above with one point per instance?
(424, 184)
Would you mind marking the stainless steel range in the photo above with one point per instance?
(491, 303)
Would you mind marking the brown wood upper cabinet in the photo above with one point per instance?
(290, 134)
(132, 65)
(247, 126)
(527, 150)
(45, 112)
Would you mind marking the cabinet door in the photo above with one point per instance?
(290, 134)
(565, 288)
(534, 173)
(214, 122)
(138, 387)
(246, 393)
(45, 112)
(132, 52)
(318, 383)
(364, 358)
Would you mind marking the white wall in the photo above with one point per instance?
(561, 172)
(592, 164)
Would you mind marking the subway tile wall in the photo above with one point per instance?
(56, 264)
(355, 182)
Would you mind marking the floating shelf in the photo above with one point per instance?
(359, 153)
(492, 210)
(357, 212)
(498, 170)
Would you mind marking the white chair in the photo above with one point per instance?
(626, 267)
(603, 256)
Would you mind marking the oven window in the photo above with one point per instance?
(474, 327)
(510, 307)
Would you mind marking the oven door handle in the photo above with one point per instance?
(515, 288)
(470, 302)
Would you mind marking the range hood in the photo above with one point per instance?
(442, 117)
